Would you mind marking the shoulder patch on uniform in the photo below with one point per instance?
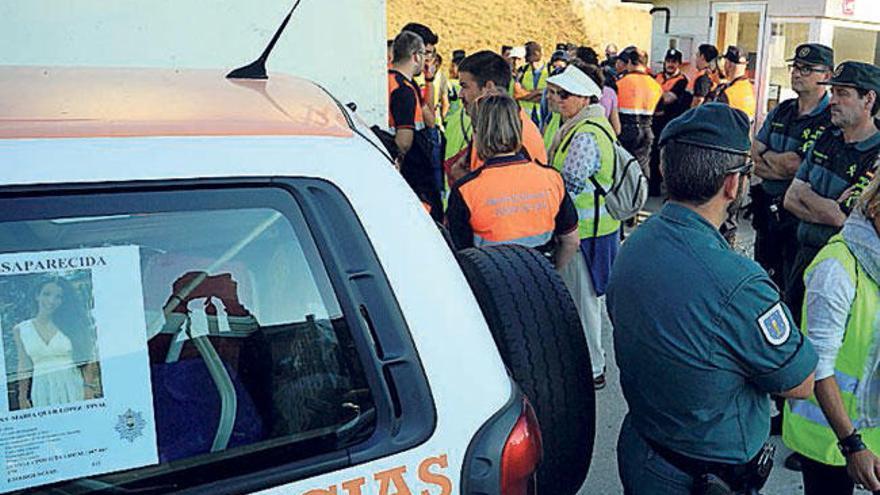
(774, 325)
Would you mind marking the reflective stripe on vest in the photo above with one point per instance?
(513, 203)
(637, 95)
(531, 241)
(585, 201)
(805, 428)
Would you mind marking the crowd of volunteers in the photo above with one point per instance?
(515, 147)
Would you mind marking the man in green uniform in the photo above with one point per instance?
(702, 337)
(836, 169)
(788, 132)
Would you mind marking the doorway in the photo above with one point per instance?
(743, 24)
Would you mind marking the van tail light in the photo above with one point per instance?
(522, 454)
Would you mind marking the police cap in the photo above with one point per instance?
(714, 126)
(736, 55)
(673, 54)
(814, 54)
(856, 75)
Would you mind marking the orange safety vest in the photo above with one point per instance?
(513, 202)
(667, 84)
(637, 96)
(739, 94)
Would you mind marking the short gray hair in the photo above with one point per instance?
(497, 126)
(405, 45)
(694, 174)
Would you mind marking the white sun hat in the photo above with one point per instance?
(518, 52)
(576, 82)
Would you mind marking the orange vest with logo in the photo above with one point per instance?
(637, 96)
(513, 203)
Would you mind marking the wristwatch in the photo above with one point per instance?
(851, 444)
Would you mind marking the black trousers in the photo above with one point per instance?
(638, 139)
(775, 236)
(794, 286)
(822, 479)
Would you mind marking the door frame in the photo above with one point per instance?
(761, 79)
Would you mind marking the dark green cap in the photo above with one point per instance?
(856, 75)
(814, 54)
(714, 126)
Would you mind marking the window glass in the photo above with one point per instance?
(784, 40)
(235, 291)
(856, 44)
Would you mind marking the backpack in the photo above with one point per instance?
(629, 188)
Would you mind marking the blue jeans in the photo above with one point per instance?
(643, 471)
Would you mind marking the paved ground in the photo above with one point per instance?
(611, 408)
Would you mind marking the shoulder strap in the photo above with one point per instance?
(601, 191)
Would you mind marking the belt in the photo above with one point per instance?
(695, 468)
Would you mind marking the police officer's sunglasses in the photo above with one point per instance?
(744, 169)
(806, 70)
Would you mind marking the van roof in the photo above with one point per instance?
(77, 102)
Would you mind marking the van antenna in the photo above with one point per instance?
(257, 68)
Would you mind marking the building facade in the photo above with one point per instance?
(769, 31)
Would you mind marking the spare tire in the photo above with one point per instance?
(538, 333)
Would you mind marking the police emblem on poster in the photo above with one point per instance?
(78, 399)
(774, 325)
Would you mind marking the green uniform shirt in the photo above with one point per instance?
(785, 131)
(831, 167)
(701, 339)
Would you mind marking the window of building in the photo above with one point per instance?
(856, 44)
(784, 40)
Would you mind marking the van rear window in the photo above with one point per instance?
(175, 338)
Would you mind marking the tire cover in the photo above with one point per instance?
(540, 338)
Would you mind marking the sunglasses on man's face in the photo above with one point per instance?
(559, 93)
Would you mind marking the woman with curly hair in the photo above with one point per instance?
(56, 349)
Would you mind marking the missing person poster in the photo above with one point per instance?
(78, 400)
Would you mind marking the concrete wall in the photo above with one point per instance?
(338, 43)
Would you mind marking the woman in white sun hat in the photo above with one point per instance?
(582, 150)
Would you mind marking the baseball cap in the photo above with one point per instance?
(714, 126)
(814, 54)
(736, 55)
(575, 82)
(518, 52)
(673, 54)
(559, 55)
(856, 75)
(458, 56)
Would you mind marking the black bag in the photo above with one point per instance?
(387, 140)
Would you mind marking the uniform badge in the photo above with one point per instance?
(774, 325)
(804, 52)
(838, 71)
